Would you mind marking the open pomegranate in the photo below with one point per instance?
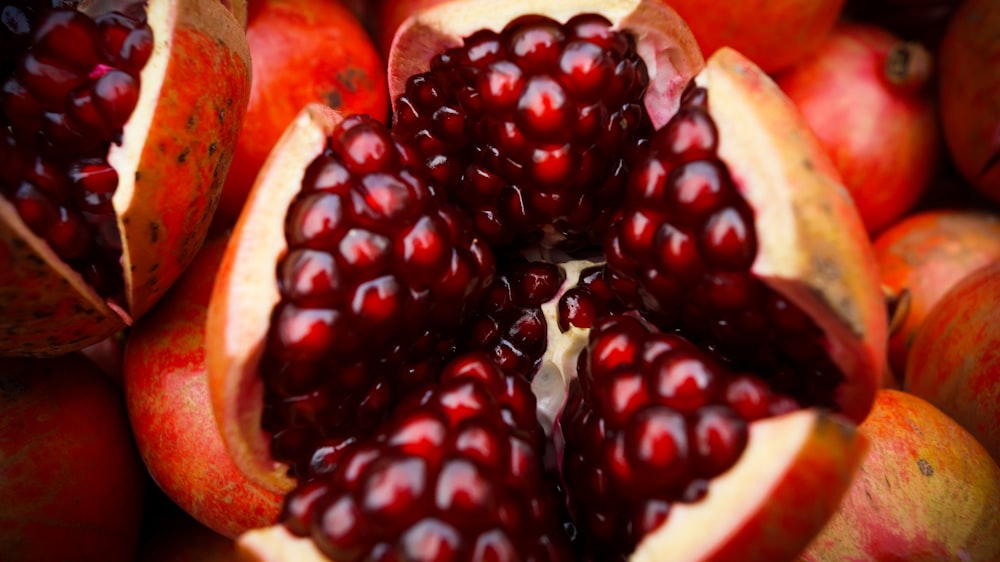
(117, 120)
(570, 202)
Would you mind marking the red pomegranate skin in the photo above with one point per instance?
(166, 391)
(71, 482)
(925, 254)
(969, 93)
(774, 34)
(955, 360)
(883, 138)
(302, 51)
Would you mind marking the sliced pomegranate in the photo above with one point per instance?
(112, 155)
(777, 320)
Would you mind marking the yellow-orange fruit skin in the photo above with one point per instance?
(926, 491)
(955, 359)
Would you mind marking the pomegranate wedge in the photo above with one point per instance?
(103, 209)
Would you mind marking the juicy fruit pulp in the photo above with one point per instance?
(376, 280)
(63, 106)
(681, 243)
(529, 129)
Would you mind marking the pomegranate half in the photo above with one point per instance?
(102, 212)
(349, 378)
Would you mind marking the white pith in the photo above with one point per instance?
(125, 157)
(557, 367)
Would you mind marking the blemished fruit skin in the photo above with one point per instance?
(71, 481)
(927, 490)
(954, 362)
(166, 392)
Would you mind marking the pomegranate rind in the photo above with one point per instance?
(663, 39)
(239, 312)
(48, 309)
(785, 487)
(813, 246)
(178, 142)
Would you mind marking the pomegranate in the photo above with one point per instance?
(71, 483)
(967, 90)
(921, 257)
(492, 232)
(953, 362)
(166, 393)
(112, 153)
(303, 51)
(865, 94)
(774, 34)
(927, 490)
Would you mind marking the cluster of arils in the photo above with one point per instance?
(73, 83)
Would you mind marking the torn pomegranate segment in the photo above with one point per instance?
(64, 103)
(111, 152)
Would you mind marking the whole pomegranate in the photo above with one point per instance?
(166, 394)
(116, 126)
(774, 34)
(866, 95)
(922, 256)
(303, 51)
(967, 89)
(570, 263)
(927, 490)
(71, 482)
(953, 362)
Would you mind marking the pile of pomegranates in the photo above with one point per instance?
(499, 280)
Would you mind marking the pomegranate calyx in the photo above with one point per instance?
(663, 39)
